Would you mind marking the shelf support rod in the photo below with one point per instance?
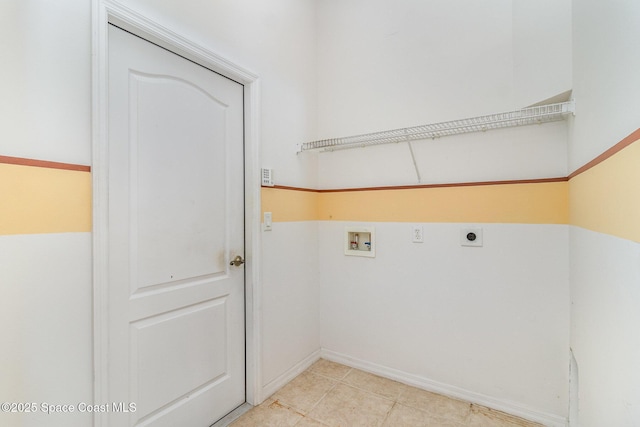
(415, 164)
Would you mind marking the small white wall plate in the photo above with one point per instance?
(267, 177)
(417, 233)
(267, 221)
(471, 236)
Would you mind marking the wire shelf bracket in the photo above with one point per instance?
(526, 116)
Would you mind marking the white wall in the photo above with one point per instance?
(605, 270)
(46, 312)
(605, 295)
(541, 49)
(45, 113)
(605, 76)
(386, 64)
(291, 315)
(489, 322)
(390, 64)
(492, 322)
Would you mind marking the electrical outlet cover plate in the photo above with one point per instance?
(417, 233)
(471, 236)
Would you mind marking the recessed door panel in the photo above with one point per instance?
(179, 230)
(177, 353)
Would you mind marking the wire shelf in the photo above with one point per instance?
(526, 116)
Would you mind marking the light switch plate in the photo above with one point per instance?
(267, 221)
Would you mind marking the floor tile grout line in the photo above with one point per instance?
(373, 392)
(368, 392)
(310, 418)
(306, 414)
(384, 420)
(343, 382)
(310, 369)
(321, 399)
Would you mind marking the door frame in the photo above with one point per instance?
(105, 12)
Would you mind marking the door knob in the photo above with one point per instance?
(237, 261)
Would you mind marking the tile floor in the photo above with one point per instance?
(329, 394)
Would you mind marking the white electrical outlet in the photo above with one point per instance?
(417, 234)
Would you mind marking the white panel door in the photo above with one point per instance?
(176, 220)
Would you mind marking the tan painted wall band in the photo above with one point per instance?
(606, 197)
(38, 200)
(534, 203)
(627, 141)
(523, 203)
(45, 197)
(290, 204)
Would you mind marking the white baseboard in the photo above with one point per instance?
(284, 378)
(549, 420)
